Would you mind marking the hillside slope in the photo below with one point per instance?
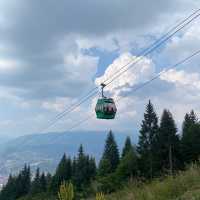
(185, 186)
(45, 150)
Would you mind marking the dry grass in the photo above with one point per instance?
(185, 186)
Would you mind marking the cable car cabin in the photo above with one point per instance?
(105, 108)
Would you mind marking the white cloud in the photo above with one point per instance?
(141, 72)
(58, 105)
(184, 45)
(81, 67)
(107, 43)
(8, 65)
(182, 78)
(54, 77)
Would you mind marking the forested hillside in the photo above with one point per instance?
(45, 150)
(160, 152)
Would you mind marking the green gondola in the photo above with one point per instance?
(105, 107)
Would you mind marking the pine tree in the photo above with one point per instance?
(189, 129)
(189, 120)
(104, 167)
(9, 191)
(63, 173)
(26, 179)
(194, 140)
(81, 169)
(146, 147)
(74, 162)
(92, 168)
(17, 186)
(48, 181)
(128, 167)
(127, 146)
(43, 183)
(36, 184)
(111, 154)
(168, 144)
(22, 182)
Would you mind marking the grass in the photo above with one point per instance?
(39, 197)
(185, 186)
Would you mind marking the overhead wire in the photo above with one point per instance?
(152, 49)
(142, 85)
(129, 65)
(63, 114)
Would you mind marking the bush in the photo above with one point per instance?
(185, 185)
(66, 191)
(108, 184)
(100, 196)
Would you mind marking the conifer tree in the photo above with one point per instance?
(17, 186)
(36, 184)
(146, 147)
(43, 183)
(127, 146)
(9, 191)
(189, 120)
(74, 162)
(63, 173)
(48, 181)
(81, 170)
(194, 140)
(104, 167)
(188, 141)
(23, 181)
(168, 144)
(92, 168)
(84, 169)
(110, 156)
(128, 167)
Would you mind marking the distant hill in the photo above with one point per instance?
(45, 150)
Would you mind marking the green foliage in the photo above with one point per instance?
(127, 147)
(128, 167)
(63, 173)
(104, 167)
(84, 169)
(109, 183)
(184, 186)
(110, 154)
(41, 196)
(36, 186)
(168, 144)
(189, 120)
(190, 142)
(148, 133)
(66, 191)
(17, 186)
(43, 182)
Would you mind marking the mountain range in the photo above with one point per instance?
(45, 150)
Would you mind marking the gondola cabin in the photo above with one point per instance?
(105, 107)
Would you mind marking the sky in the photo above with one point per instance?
(53, 52)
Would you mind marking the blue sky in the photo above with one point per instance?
(51, 53)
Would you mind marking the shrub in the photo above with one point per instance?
(66, 191)
(100, 196)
